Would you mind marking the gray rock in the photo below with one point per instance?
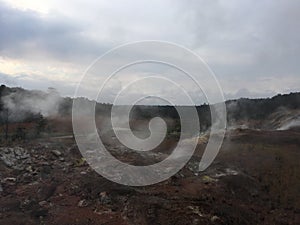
(56, 153)
(16, 158)
(43, 203)
(82, 203)
(62, 159)
(9, 179)
(214, 219)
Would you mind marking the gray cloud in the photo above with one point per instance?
(6, 79)
(267, 32)
(251, 45)
(27, 34)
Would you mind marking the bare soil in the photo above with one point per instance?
(254, 180)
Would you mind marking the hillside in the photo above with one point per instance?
(23, 106)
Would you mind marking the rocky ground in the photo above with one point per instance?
(254, 180)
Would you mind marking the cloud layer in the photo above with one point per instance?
(253, 47)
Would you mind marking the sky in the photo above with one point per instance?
(253, 47)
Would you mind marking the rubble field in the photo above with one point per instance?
(254, 180)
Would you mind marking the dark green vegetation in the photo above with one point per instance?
(29, 112)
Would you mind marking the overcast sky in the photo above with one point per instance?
(252, 46)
